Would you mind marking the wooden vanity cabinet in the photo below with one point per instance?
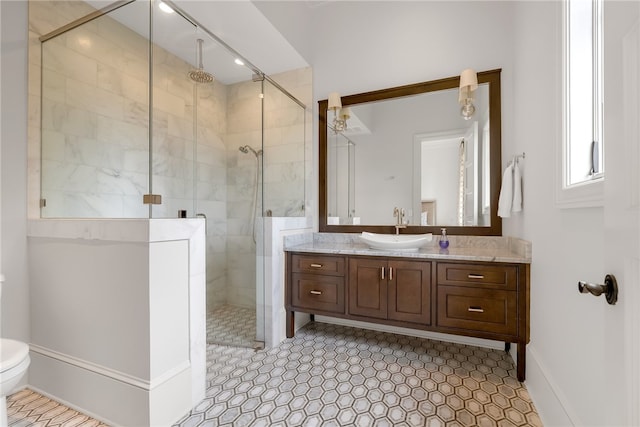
(390, 289)
(479, 299)
(317, 284)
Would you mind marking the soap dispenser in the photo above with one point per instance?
(443, 241)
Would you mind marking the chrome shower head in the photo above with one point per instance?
(200, 75)
(246, 148)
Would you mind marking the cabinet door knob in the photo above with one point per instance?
(475, 276)
(315, 265)
(475, 310)
(315, 292)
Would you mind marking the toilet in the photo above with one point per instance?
(14, 361)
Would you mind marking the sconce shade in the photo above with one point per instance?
(468, 84)
(335, 102)
(345, 113)
(469, 78)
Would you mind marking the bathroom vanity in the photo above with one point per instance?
(478, 288)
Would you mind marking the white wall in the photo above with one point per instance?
(401, 43)
(15, 292)
(568, 332)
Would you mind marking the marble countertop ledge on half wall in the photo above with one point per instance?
(464, 248)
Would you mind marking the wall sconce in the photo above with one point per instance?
(340, 115)
(468, 84)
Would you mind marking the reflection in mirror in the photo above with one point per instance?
(341, 180)
(410, 148)
(450, 187)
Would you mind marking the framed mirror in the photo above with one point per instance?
(408, 149)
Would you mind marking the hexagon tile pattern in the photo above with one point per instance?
(332, 375)
(329, 375)
(230, 325)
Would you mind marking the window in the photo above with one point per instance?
(583, 143)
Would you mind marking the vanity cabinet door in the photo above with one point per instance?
(410, 291)
(368, 287)
(483, 310)
(317, 292)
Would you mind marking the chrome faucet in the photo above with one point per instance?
(399, 215)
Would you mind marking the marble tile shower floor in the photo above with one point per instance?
(231, 325)
(332, 375)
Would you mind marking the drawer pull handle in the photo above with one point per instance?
(390, 273)
(382, 273)
(475, 309)
(315, 292)
(475, 276)
(315, 265)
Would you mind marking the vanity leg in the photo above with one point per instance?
(522, 365)
(507, 347)
(290, 324)
(312, 317)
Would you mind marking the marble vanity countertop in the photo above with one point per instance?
(463, 248)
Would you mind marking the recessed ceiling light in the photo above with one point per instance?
(239, 61)
(165, 7)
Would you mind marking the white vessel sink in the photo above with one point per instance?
(395, 242)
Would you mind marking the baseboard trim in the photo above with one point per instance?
(458, 339)
(536, 373)
(112, 373)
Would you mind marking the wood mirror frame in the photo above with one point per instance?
(492, 77)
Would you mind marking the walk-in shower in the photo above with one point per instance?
(143, 124)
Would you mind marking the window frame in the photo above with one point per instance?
(590, 191)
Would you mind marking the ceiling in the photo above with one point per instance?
(238, 23)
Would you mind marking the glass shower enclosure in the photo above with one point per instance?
(147, 114)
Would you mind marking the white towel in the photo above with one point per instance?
(506, 193)
(516, 206)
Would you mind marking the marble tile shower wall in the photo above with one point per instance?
(244, 127)
(286, 163)
(95, 142)
(44, 17)
(95, 152)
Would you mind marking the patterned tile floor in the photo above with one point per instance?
(27, 408)
(332, 375)
(338, 376)
(231, 325)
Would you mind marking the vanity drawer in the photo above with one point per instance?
(484, 310)
(317, 292)
(319, 264)
(478, 275)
